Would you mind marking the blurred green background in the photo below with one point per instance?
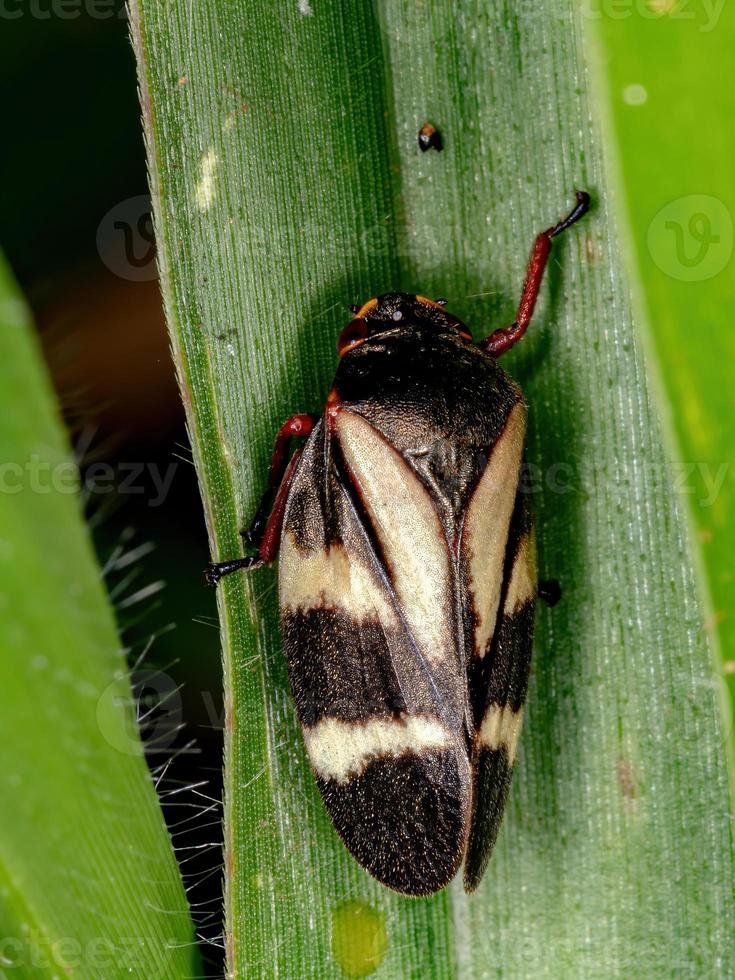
(669, 101)
(74, 225)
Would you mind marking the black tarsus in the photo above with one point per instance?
(216, 570)
(264, 530)
(581, 209)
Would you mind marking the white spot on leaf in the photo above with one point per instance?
(204, 192)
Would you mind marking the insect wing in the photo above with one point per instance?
(499, 680)
(374, 667)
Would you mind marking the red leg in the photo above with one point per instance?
(265, 529)
(271, 537)
(502, 340)
(295, 426)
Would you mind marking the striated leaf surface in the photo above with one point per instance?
(288, 183)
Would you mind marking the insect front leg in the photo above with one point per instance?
(295, 427)
(265, 529)
(502, 340)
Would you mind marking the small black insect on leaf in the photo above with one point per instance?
(430, 138)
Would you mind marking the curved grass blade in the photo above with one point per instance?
(680, 203)
(88, 881)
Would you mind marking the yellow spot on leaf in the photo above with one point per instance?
(635, 95)
(359, 939)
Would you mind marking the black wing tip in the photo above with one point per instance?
(471, 879)
(419, 888)
(409, 879)
(382, 816)
(494, 772)
(476, 862)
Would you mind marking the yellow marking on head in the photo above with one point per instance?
(351, 346)
(366, 307)
(429, 302)
(454, 322)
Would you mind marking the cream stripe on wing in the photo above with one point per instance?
(485, 532)
(501, 728)
(341, 750)
(409, 531)
(523, 576)
(330, 578)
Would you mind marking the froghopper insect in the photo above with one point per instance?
(408, 583)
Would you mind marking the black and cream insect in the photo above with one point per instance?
(407, 580)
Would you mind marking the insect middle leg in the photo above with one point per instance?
(502, 340)
(265, 529)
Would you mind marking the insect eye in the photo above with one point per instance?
(397, 314)
(352, 336)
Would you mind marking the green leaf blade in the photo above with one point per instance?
(616, 853)
(88, 881)
(679, 196)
